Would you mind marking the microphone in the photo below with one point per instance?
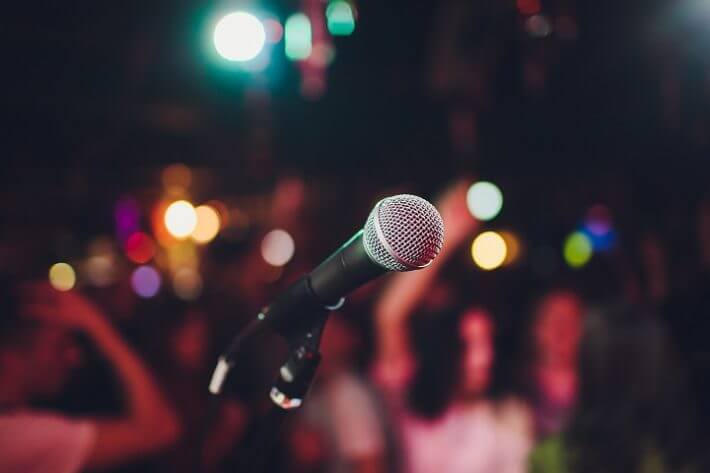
(402, 233)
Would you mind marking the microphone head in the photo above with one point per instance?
(403, 233)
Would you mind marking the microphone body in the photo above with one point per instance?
(342, 272)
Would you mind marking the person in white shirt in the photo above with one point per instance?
(446, 421)
(38, 353)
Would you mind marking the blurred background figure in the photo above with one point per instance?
(440, 395)
(552, 375)
(38, 352)
(184, 357)
(633, 412)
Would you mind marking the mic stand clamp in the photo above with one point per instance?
(296, 375)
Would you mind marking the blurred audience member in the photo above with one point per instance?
(185, 357)
(448, 423)
(552, 375)
(632, 413)
(341, 418)
(38, 352)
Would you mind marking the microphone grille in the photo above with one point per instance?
(403, 233)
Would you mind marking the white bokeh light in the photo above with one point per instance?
(484, 200)
(277, 247)
(239, 36)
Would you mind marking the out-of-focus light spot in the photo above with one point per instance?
(484, 200)
(101, 246)
(127, 217)
(62, 277)
(340, 18)
(239, 36)
(274, 30)
(277, 247)
(538, 26)
(182, 255)
(598, 220)
(298, 37)
(598, 228)
(323, 54)
(489, 250)
(100, 270)
(180, 219)
(145, 281)
(513, 247)
(139, 248)
(207, 226)
(528, 7)
(187, 284)
(222, 212)
(577, 250)
(176, 178)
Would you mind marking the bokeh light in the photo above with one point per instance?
(62, 276)
(298, 39)
(176, 178)
(489, 250)
(528, 7)
(208, 224)
(577, 250)
(598, 220)
(139, 248)
(145, 281)
(180, 219)
(181, 255)
(538, 26)
(598, 228)
(100, 270)
(277, 247)
(127, 217)
(484, 200)
(340, 18)
(274, 30)
(187, 284)
(239, 36)
(513, 247)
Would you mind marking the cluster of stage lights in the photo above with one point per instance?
(495, 249)
(241, 36)
(172, 248)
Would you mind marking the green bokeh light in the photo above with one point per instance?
(340, 18)
(298, 37)
(577, 250)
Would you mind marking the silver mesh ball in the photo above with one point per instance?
(403, 233)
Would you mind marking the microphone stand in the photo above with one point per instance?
(289, 390)
(290, 387)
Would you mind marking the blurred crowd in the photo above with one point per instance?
(421, 371)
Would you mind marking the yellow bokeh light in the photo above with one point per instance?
(513, 247)
(187, 284)
(62, 277)
(489, 250)
(180, 219)
(208, 224)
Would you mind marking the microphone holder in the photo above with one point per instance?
(289, 390)
(291, 385)
(297, 373)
